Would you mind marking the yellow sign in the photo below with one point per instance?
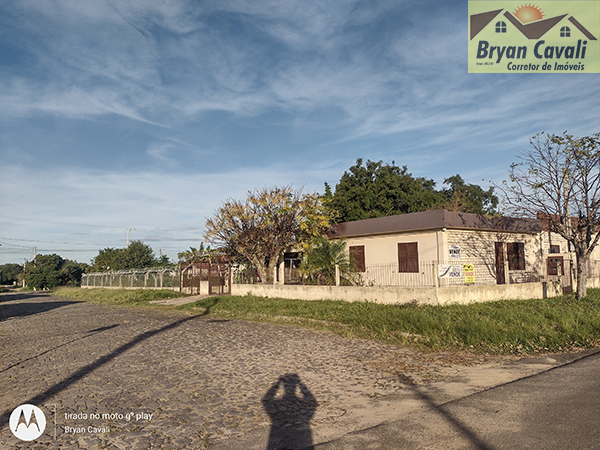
(539, 37)
(469, 271)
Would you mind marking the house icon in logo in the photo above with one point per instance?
(531, 30)
(27, 422)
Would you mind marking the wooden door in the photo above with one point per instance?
(500, 275)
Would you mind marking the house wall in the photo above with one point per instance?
(474, 246)
(383, 249)
(479, 247)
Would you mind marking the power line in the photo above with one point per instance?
(48, 242)
(17, 219)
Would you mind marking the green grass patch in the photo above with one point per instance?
(131, 297)
(504, 327)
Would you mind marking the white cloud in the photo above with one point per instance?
(317, 83)
(169, 209)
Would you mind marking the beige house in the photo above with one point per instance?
(442, 248)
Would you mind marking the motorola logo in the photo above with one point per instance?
(27, 422)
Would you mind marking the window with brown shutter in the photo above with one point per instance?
(357, 257)
(516, 255)
(408, 257)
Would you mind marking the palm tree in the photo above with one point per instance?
(194, 255)
(319, 262)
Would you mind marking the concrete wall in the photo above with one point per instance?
(402, 295)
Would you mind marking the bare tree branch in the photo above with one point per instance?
(558, 180)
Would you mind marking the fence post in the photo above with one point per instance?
(337, 274)
(436, 281)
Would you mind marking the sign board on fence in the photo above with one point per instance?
(454, 251)
(469, 271)
(449, 271)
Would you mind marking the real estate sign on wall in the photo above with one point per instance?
(449, 271)
(538, 37)
(469, 271)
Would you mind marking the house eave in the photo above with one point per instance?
(432, 221)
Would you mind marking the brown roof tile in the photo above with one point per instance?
(431, 220)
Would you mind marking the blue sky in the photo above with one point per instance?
(149, 114)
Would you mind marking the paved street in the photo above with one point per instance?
(554, 410)
(139, 378)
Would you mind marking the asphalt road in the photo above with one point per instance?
(556, 409)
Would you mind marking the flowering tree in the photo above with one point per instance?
(558, 181)
(269, 222)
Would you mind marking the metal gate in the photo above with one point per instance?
(219, 278)
(212, 277)
(560, 269)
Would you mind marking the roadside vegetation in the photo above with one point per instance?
(516, 327)
(134, 297)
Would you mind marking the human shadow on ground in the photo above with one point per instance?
(290, 406)
(55, 389)
(31, 307)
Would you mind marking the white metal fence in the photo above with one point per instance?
(151, 278)
(429, 274)
(432, 273)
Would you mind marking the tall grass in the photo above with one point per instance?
(117, 296)
(503, 327)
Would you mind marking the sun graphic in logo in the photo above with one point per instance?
(528, 13)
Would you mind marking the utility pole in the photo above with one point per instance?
(128, 230)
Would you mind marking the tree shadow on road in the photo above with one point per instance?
(72, 341)
(465, 431)
(23, 309)
(290, 411)
(89, 368)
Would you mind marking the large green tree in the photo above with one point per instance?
(462, 197)
(269, 222)
(10, 273)
(50, 271)
(377, 189)
(137, 256)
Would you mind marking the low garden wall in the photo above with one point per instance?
(402, 295)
